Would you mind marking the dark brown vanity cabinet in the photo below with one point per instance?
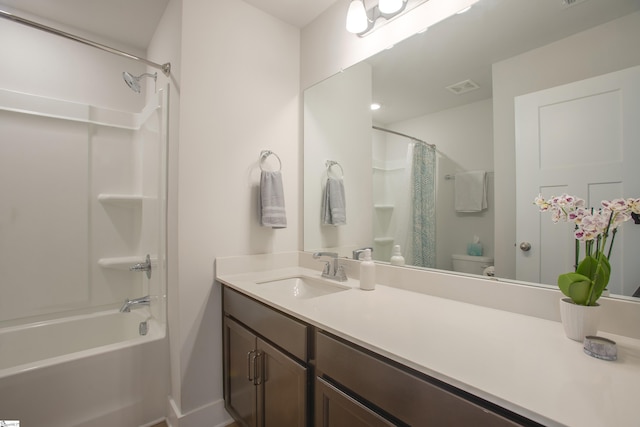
(266, 377)
(356, 387)
(282, 372)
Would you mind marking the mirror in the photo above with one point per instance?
(500, 49)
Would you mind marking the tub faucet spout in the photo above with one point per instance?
(136, 302)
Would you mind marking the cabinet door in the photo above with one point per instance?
(336, 409)
(240, 358)
(282, 396)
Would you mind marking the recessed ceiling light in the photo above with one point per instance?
(375, 106)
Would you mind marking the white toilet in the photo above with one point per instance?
(471, 264)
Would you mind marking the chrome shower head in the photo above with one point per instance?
(134, 81)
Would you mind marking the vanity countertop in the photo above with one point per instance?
(522, 363)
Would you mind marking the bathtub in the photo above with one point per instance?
(87, 370)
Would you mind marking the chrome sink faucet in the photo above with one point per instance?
(356, 254)
(332, 269)
(133, 303)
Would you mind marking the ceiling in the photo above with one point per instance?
(128, 22)
(295, 12)
(405, 82)
(133, 22)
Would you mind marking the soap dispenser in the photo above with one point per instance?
(367, 272)
(396, 256)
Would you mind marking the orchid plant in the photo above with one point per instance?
(597, 229)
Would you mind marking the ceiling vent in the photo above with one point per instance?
(568, 3)
(463, 87)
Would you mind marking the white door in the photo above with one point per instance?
(583, 139)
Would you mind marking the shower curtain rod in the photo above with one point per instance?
(406, 136)
(166, 68)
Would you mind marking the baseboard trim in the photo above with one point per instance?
(210, 415)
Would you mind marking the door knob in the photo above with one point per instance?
(525, 246)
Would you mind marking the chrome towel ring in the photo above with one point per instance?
(331, 163)
(263, 156)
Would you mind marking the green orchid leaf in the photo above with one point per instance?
(588, 268)
(576, 286)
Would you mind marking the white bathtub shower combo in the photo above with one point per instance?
(82, 230)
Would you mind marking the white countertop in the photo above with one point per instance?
(523, 363)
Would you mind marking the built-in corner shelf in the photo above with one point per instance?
(120, 263)
(383, 240)
(127, 200)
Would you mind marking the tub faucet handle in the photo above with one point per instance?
(143, 266)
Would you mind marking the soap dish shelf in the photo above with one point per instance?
(123, 263)
(126, 200)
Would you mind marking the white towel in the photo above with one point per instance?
(471, 191)
(272, 213)
(334, 207)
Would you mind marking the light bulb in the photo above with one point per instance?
(357, 20)
(389, 6)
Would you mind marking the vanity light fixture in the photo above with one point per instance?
(362, 15)
(357, 19)
(390, 6)
(360, 20)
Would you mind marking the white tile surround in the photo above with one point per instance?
(502, 342)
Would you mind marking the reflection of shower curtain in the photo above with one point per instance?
(424, 206)
(416, 230)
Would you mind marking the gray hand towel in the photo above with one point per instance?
(272, 212)
(334, 207)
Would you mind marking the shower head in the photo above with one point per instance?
(134, 81)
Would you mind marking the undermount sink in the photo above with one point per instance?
(303, 287)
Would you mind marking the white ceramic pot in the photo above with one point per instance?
(579, 320)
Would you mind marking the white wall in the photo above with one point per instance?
(603, 49)
(239, 94)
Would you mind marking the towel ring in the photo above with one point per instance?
(330, 163)
(266, 153)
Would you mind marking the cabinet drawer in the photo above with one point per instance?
(335, 408)
(280, 329)
(407, 397)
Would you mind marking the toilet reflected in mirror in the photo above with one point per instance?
(472, 264)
